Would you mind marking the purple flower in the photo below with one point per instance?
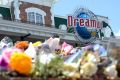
(3, 62)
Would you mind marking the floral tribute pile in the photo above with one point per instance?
(49, 59)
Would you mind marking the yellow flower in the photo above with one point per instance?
(38, 43)
(21, 63)
(88, 69)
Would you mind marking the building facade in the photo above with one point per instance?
(35, 17)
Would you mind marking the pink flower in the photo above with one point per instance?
(9, 51)
(66, 48)
(6, 55)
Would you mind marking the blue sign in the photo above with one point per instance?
(86, 25)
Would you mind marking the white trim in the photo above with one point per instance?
(6, 3)
(36, 10)
(1, 15)
(16, 9)
(6, 6)
(52, 17)
(102, 16)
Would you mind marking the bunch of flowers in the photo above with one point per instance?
(21, 63)
(111, 72)
(22, 45)
(88, 69)
(88, 66)
(47, 64)
(5, 57)
(38, 43)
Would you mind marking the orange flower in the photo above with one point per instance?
(22, 44)
(21, 63)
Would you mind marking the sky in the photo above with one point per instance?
(108, 8)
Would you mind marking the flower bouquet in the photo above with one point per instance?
(38, 61)
(27, 60)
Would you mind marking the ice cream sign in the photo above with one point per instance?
(86, 25)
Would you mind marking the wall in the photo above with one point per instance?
(59, 21)
(5, 12)
(46, 9)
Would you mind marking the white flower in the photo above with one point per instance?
(110, 71)
(92, 58)
(30, 51)
(46, 58)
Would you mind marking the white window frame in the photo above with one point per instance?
(38, 11)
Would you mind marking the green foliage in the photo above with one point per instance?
(53, 69)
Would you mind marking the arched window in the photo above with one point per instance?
(35, 18)
(35, 15)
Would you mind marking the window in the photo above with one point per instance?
(31, 17)
(35, 18)
(35, 15)
(39, 18)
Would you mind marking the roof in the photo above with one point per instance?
(64, 17)
(102, 16)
